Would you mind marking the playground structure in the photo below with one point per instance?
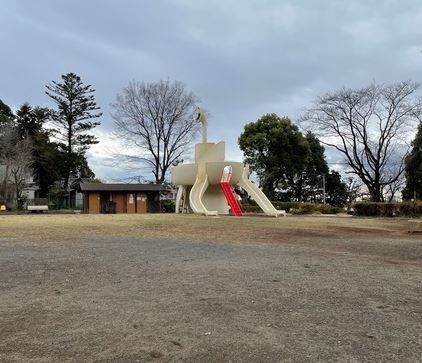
(207, 186)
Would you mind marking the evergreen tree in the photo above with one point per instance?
(30, 121)
(335, 190)
(6, 114)
(47, 159)
(309, 181)
(76, 110)
(413, 171)
(276, 150)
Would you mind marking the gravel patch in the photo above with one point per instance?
(132, 300)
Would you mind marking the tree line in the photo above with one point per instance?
(49, 144)
(369, 127)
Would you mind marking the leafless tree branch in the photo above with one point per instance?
(370, 127)
(157, 119)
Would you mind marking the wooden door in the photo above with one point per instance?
(131, 200)
(94, 203)
(121, 202)
(141, 203)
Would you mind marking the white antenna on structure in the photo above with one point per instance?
(202, 118)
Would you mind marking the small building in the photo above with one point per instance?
(121, 198)
(76, 197)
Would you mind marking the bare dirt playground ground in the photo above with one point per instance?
(172, 288)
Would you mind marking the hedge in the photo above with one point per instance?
(252, 206)
(296, 208)
(404, 209)
(311, 208)
(287, 206)
(249, 208)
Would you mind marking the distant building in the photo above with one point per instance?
(29, 192)
(169, 194)
(31, 188)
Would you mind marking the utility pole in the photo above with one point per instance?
(323, 189)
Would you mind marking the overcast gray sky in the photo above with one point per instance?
(241, 58)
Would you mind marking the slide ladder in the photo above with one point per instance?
(231, 198)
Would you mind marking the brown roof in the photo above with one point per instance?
(104, 187)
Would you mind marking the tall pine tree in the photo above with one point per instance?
(74, 118)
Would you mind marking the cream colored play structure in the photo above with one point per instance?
(203, 188)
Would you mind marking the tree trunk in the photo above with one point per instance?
(6, 184)
(376, 195)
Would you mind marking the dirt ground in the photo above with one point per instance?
(171, 288)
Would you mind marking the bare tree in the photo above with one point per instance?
(8, 138)
(155, 119)
(353, 190)
(20, 167)
(393, 188)
(370, 127)
(15, 161)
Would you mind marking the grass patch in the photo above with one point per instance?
(248, 229)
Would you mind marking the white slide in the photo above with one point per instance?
(195, 196)
(259, 197)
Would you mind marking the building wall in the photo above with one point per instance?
(125, 202)
(30, 193)
(94, 202)
(120, 198)
(131, 202)
(141, 203)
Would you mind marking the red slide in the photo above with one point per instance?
(231, 198)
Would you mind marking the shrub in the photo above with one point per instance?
(287, 206)
(372, 209)
(295, 208)
(168, 206)
(311, 208)
(304, 208)
(329, 209)
(55, 198)
(407, 208)
(249, 208)
(418, 208)
(388, 209)
(253, 207)
(411, 209)
(366, 209)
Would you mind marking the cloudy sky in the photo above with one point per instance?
(242, 58)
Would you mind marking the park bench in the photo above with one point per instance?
(37, 208)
